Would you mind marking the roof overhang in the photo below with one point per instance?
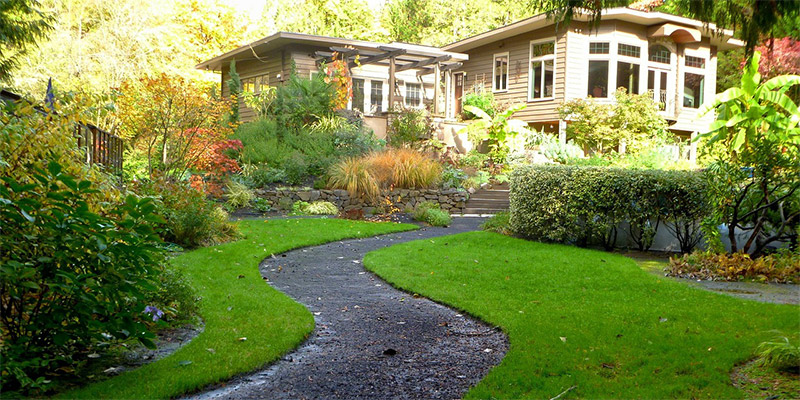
(722, 38)
(678, 33)
(257, 49)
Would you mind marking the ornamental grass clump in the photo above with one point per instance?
(391, 168)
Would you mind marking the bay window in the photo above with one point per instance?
(542, 70)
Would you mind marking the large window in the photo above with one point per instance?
(628, 76)
(598, 78)
(500, 72)
(693, 88)
(694, 81)
(358, 94)
(542, 70)
(413, 94)
(376, 97)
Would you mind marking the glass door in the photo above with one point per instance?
(659, 84)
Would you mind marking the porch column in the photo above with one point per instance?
(436, 89)
(562, 131)
(693, 148)
(448, 82)
(391, 82)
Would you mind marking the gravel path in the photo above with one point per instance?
(371, 340)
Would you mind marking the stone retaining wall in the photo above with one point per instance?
(451, 200)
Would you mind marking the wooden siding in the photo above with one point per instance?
(518, 47)
(270, 64)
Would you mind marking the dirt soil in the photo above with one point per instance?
(371, 340)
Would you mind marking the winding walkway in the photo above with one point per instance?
(371, 340)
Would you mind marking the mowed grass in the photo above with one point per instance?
(236, 303)
(584, 318)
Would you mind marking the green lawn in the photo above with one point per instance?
(236, 303)
(585, 318)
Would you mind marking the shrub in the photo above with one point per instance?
(780, 267)
(261, 175)
(261, 205)
(481, 99)
(430, 213)
(780, 354)
(585, 205)
(412, 127)
(552, 148)
(69, 277)
(315, 208)
(296, 167)
(498, 224)
(239, 195)
(453, 178)
(302, 101)
(189, 218)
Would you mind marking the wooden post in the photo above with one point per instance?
(436, 90)
(391, 82)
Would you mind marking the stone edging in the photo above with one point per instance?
(451, 200)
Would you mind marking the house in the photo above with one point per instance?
(413, 70)
(534, 61)
(543, 64)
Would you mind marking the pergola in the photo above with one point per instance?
(400, 57)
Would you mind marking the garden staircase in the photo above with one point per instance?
(488, 200)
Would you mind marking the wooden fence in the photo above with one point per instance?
(97, 146)
(100, 147)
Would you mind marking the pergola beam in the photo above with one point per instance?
(390, 52)
(422, 63)
(442, 68)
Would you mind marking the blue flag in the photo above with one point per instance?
(50, 97)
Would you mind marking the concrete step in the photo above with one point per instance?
(483, 210)
(488, 203)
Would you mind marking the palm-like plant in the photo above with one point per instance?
(497, 131)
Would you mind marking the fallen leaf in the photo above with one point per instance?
(563, 339)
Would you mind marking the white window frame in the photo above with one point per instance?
(610, 58)
(494, 71)
(365, 100)
(684, 69)
(617, 58)
(532, 59)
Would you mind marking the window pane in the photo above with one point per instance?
(536, 75)
(358, 94)
(548, 78)
(543, 49)
(248, 85)
(598, 78)
(501, 73)
(413, 94)
(376, 97)
(599, 48)
(659, 54)
(696, 62)
(628, 76)
(693, 87)
(628, 50)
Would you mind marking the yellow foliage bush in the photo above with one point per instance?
(781, 267)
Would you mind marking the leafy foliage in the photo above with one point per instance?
(430, 213)
(500, 223)
(174, 121)
(238, 195)
(69, 278)
(412, 128)
(780, 267)
(496, 130)
(301, 101)
(585, 205)
(22, 24)
(189, 219)
(482, 99)
(780, 354)
(315, 208)
(632, 119)
(754, 183)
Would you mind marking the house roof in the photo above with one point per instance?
(722, 38)
(261, 46)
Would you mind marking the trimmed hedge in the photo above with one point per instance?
(587, 205)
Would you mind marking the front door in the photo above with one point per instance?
(658, 82)
(459, 90)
